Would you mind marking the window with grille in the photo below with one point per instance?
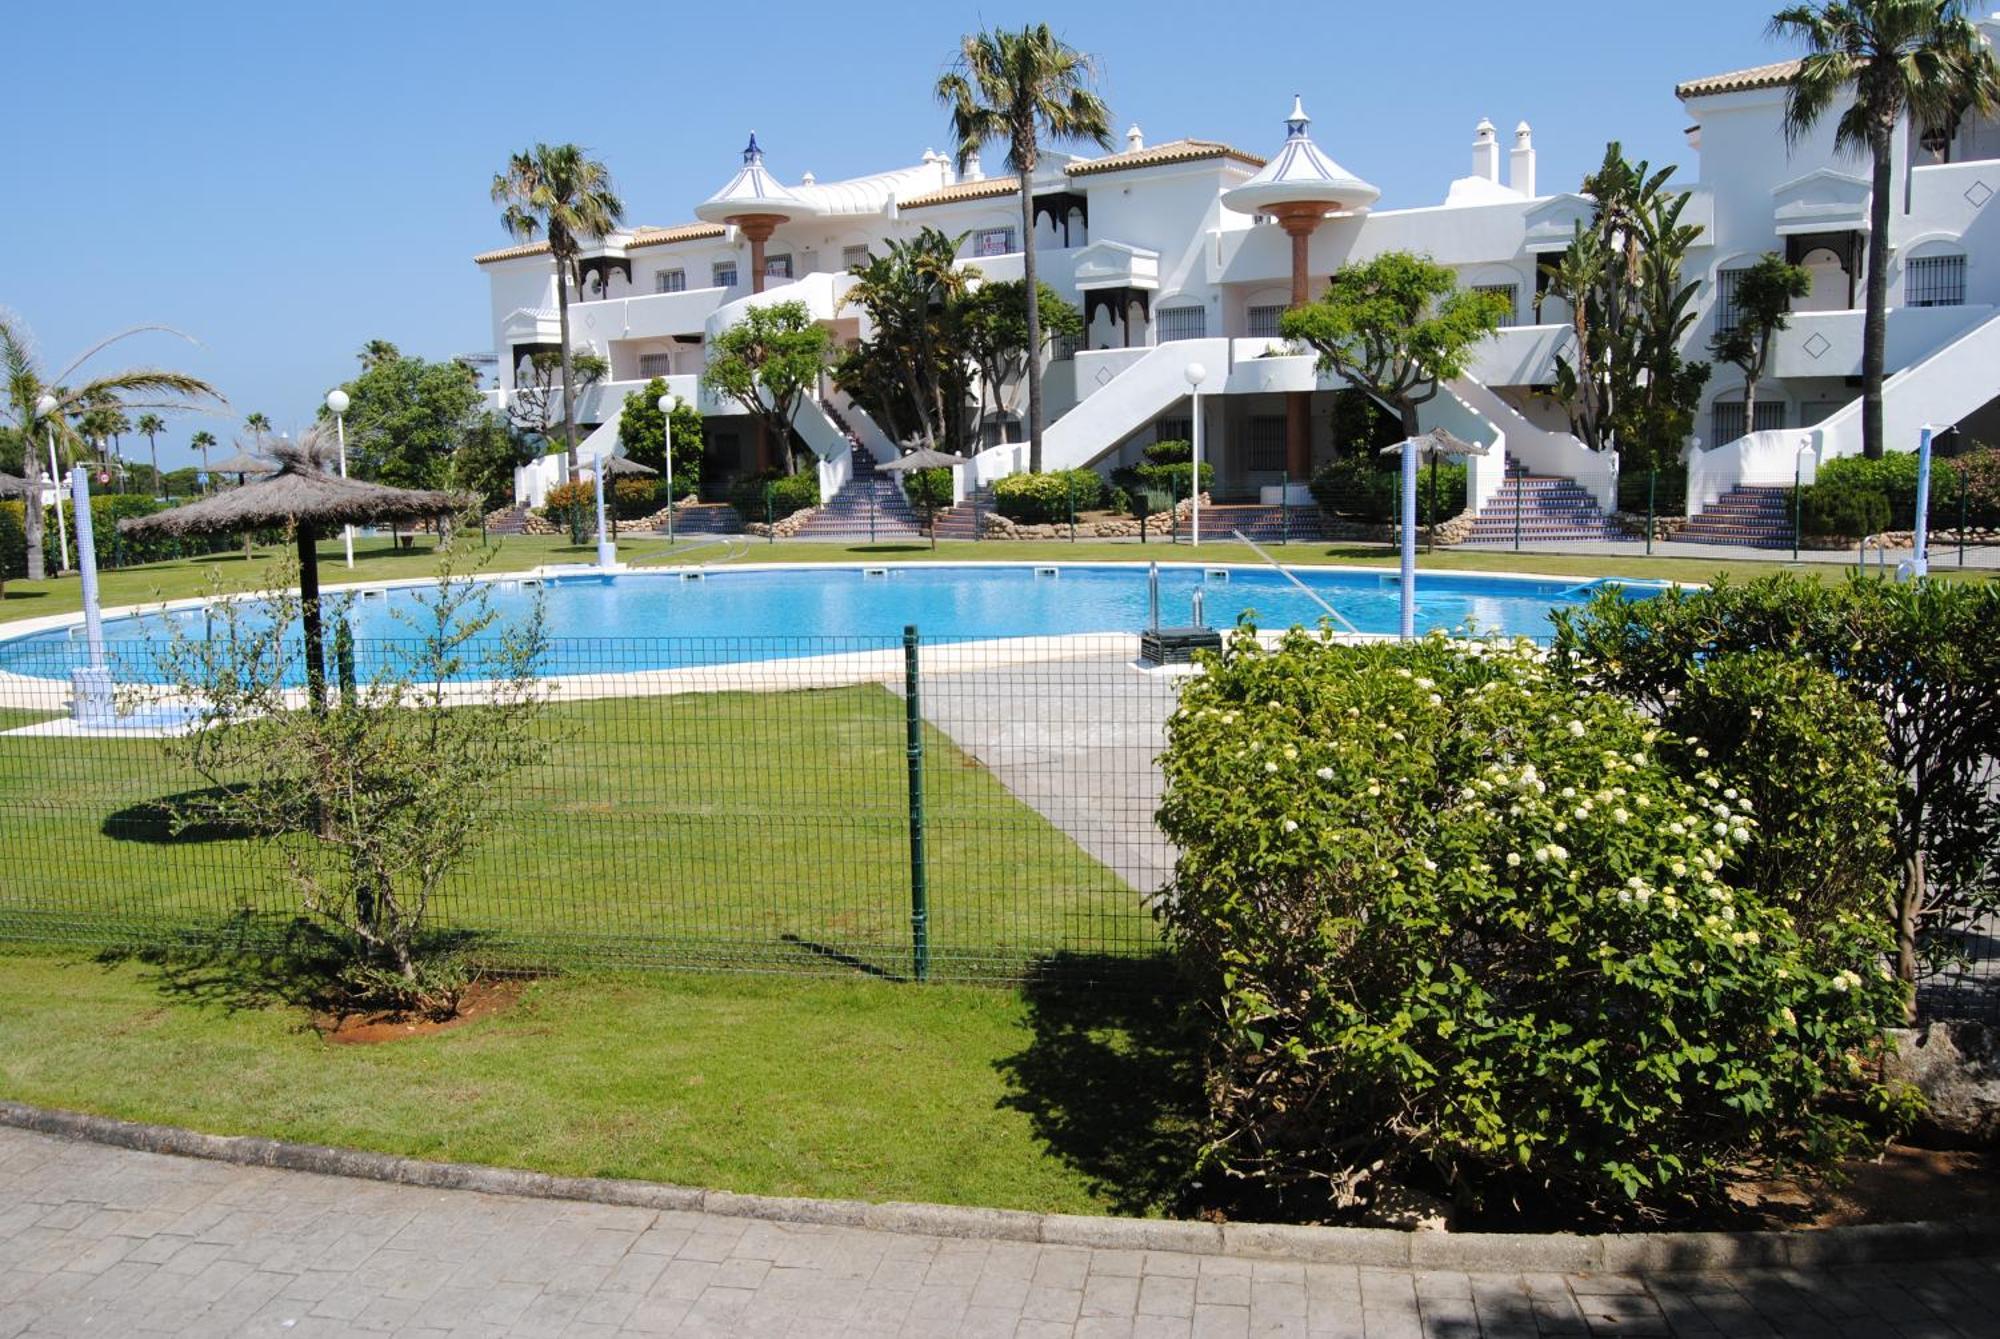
(1511, 292)
(1066, 347)
(1727, 315)
(1267, 443)
(993, 242)
(1726, 419)
(1935, 281)
(724, 274)
(1173, 430)
(670, 281)
(1182, 323)
(656, 364)
(778, 267)
(850, 256)
(1264, 321)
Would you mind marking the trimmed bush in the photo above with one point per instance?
(1806, 756)
(1921, 656)
(13, 546)
(1048, 498)
(1453, 920)
(1363, 488)
(788, 493)
(1168, 470)
(632, 497)
(928, 491)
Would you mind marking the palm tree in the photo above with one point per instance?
(27, 384)
(152, 425)
(1924, 58)
(561, 192)
(1013, 88)
(201, 441)
(258, 424)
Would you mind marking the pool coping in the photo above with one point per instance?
(1638, 1252)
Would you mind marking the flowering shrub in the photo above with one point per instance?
(1450, 918)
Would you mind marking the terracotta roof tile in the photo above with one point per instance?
(512, 252)
(1173, 151)
(984, 189)
(1774, 75)
(686, 232)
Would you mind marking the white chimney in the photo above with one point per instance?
(1521, 163)
(1485, 152)
(975, 171)
(1134, 140)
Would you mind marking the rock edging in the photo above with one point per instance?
(1553, 1252)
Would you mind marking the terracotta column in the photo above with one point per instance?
(1299, 223)
(758, 229)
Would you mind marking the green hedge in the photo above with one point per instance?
(117, 550)
(788, 493)
(1364, 488)
(928, 491)
(1046, 499)
(1854, 497)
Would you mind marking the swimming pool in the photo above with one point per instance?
(673, 618)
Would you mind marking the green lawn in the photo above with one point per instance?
(740, 828)
(771, 1086)
(377, 561)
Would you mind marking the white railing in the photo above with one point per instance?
(1544, 450)
(834, 473)
(1484, 475)
(1940, 390)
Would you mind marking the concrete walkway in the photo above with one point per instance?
(97, 1240)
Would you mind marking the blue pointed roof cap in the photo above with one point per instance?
(1301, 174)
(753, 190)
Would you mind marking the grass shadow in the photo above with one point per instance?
(848, 960)
(1111, 1077)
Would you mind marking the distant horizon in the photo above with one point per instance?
(208, 174)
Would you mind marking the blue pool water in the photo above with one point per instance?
(659, 620)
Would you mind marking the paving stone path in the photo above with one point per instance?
(97, 1240)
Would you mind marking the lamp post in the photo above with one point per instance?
(1196, 374)
(45, 409)
(337, 401)
(1408, 557)
(666, 403)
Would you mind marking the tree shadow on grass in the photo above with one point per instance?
(254, 960)
(188, 817)
(1111, 1077)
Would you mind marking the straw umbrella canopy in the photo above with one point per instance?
(924, 458)
(306, 498)
(1434, 446)
(614, 466)
(11, 486)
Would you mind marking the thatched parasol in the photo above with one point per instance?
(617, 465)
(303, 497)
(923, 458)
(12, 487)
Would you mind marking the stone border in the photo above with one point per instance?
(1508, 1252)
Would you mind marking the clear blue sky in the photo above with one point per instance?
(286, 181)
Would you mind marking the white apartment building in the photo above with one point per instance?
(1186, 252)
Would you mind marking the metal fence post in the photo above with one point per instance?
(770, 526)
(1285, 508)
(1069, 493)
(913, 716)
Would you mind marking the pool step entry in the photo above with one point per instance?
(1750, 515)
(1549, 509)
(870, 503)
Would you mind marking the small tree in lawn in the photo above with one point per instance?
(644, 430)
(767, 362)
(13, 549)
(373, 803)
(1764, 296)
(1397, 328)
